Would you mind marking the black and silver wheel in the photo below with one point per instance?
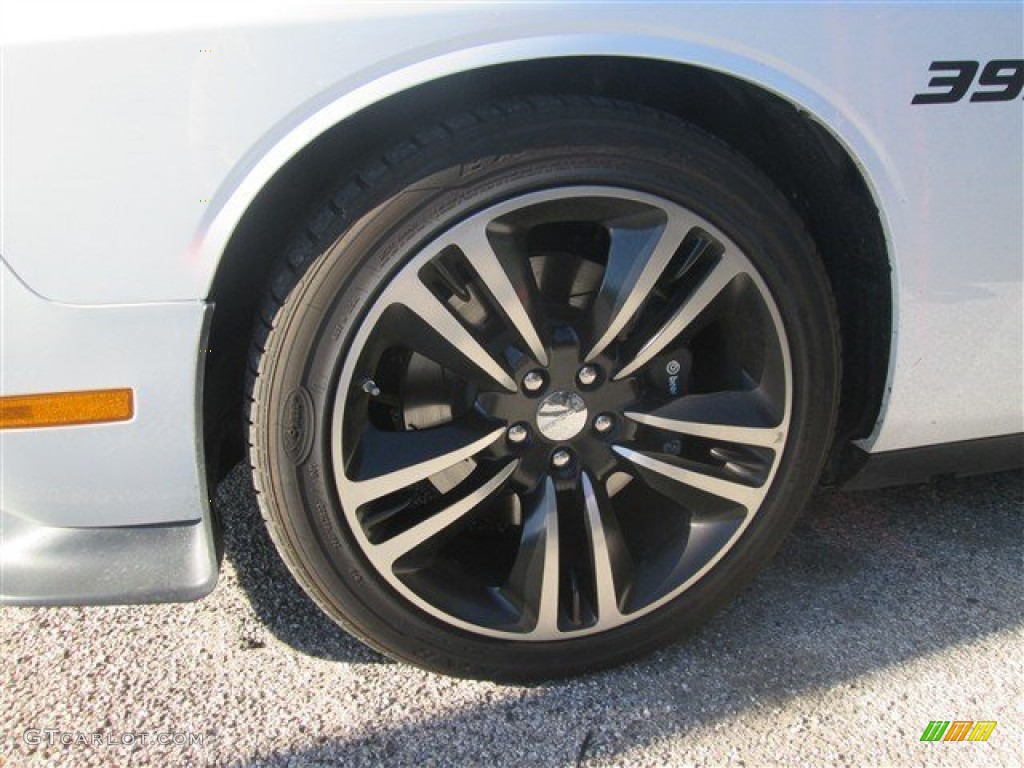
(543, 389)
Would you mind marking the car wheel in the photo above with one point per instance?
(541, 388)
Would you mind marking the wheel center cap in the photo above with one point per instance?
(561, 415)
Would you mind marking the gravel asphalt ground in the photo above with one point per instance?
(884, 611)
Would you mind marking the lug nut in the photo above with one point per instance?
(587, 375)
(561, 458)
(533, 381)
(518, 433)
(603, 422)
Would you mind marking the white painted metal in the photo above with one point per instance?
(141, 472)
(135, 135)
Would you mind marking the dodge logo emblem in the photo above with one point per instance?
(561, 415)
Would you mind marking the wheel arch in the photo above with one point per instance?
(829, 180)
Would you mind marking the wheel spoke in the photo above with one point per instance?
(608, 548)
(708, 534)
(534, 574)
(416, 297)
(392, 549)
(724, 416)
(509, 290)
(547, 613)
(408, 457)
(636, 260)
(756, 436)
(727, 268)
(747, 497)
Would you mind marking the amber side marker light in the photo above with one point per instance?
(58, 409)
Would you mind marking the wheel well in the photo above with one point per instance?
(801, 157)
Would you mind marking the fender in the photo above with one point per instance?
(348, 97)
(826, 106)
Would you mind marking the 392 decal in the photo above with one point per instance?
(1000, 80)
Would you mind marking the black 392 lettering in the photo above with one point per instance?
(1000, 80)
(1007, 74)
(955, 85)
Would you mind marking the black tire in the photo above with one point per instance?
(346, 259)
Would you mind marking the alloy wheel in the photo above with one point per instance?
(560, 413)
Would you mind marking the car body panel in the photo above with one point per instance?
(128, 168)
(135, 137)
(145, 471)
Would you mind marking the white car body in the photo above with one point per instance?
(136, 136)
